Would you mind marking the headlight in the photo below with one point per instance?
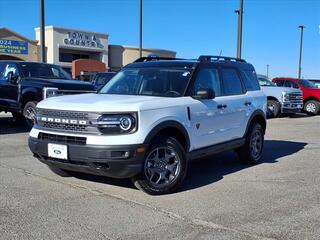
(285, 96)
(50, 92)
(116, 123)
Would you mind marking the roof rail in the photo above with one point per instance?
(209, 58)
(155, 58)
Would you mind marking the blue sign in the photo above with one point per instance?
(13, 47)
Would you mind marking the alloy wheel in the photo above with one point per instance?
(162, 166)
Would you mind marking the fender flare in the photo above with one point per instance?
(256, 113)
(168, 124)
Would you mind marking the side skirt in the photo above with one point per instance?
(214, 149)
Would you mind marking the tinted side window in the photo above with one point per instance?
(250, 80)
(287, 84)
(10, 68)
(208, 78)
(231, 82)
(280, 83)
(294, 85)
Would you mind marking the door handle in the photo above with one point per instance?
(221, 106)
(247, 103)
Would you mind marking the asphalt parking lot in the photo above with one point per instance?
(221, 198)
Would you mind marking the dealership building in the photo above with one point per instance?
(74, 50)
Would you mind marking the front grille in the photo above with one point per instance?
(62, 139)
(67, 127)
(63, 114)
(295, 97)
(67, 121)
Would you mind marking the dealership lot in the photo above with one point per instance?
(220, 199)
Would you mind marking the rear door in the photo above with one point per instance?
(237, 104)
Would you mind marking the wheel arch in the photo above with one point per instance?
(170, 128)
(272, 98)
(259, 117)
(310, 98)
(29, 95)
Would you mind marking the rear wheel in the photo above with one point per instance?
(312, 107)
(273, 108)
(251, 152)
(164, 168)
(29, 113)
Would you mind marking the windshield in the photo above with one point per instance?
(266, 82)
(41, 70)
(156, 81)
(307, 83)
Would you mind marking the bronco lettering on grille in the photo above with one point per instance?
(61, 120)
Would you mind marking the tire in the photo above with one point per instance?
(29, 113)
(312, 107)
(273, 109)
(156, 178)
(59, 172)
(252, 150)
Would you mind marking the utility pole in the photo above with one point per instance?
(267, 70)
(42, 32)
(140, 30)
(239, 38)
(300, 51)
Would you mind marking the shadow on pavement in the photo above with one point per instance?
(206, 171)
(9, 126)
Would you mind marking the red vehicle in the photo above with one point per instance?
(311, 94)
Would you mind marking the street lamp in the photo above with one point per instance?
(42, 32)
(140, 30)
(239, 38)
(300, 51)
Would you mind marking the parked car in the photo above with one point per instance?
(24, 84)
(280, 99)
(152, 118)
(316, 82)
(311, 94)
(100, 79)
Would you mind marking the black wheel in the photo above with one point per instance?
(252, 150)
(312, 107)
(29, 113)
(59, 172)
(164, 168)
(273, 108)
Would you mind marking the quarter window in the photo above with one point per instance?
(231, 82)
(208, 78)
(280, 83)
(250, 80)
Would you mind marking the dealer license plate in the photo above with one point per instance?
(57, 151)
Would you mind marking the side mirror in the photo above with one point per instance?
(12, 77)
(206, 93)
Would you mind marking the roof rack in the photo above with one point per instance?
(155, 58)
(209, 58)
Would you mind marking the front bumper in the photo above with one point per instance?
(291, 107)
(112, 161)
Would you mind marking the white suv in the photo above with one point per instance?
(151, 118)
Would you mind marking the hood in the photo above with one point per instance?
(101, 102)
(282, 89)
(62, 84)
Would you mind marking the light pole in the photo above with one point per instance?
(140, 30)
(42, 32)
(300, 51)
(239, 38)
(267, 70)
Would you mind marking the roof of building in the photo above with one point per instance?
(18, 35)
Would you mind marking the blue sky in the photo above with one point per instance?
(190, 27)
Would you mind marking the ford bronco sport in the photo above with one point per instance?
(151, 118)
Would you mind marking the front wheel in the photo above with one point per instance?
(164, 168)
(312, 107)
(29, 113)
(273, 108)
(251, 151)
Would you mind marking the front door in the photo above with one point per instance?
(9, 89)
